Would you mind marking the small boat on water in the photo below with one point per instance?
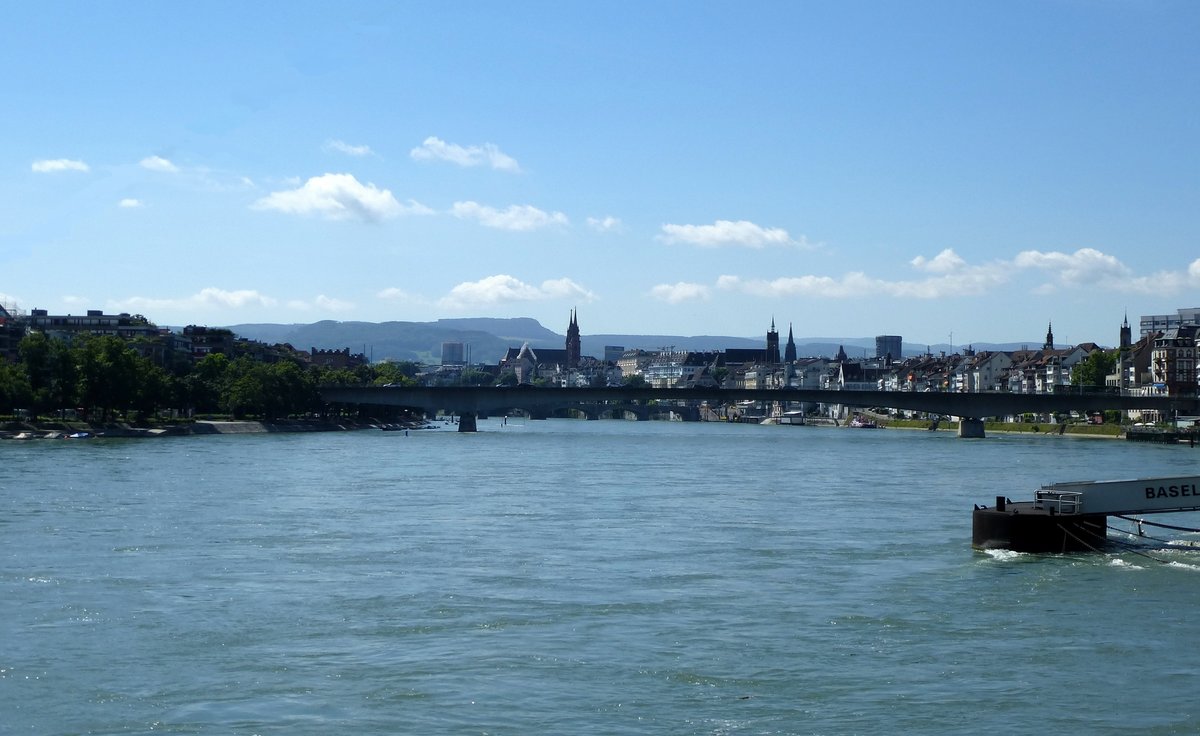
(861, 422)
(793, 418)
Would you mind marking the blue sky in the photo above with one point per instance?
(946, 171)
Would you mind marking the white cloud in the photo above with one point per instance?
(394, 294)
(130, 203)
(435, 149)
(945, 262)
(859, 285)
(505, 289)
(564, 287)
(330, 304)
(320, 303)
(1088, 268)
(346, 148)
(213, 299)
(205, 299)
(339, 197)
(604, 224)
(158, 163)
(54, 165)
(727, 232)
(951, 276)
(679, 292)
(516, 217)
(1084, 267)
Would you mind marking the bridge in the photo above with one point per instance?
(468, 402)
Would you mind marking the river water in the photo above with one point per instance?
(574, 577)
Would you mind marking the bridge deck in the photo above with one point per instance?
(491, 399)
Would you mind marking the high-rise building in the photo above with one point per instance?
(889, 346)
(452, 353)
(1163, 322)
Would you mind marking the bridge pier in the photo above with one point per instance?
(466, 422)
(970, 428)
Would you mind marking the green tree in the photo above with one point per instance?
(51, 368)
(245, 392)
(400, 373)
(291, 390)
(270, 391)
(34, 350)
(204, 387)
(1092, 371)
(472, 377)
(108, 375)
(15, 391)
(64, 389)
(153, 388)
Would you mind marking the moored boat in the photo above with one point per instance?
(1073, 517)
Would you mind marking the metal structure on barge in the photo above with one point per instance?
(1073, 517)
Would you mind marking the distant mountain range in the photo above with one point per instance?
(488, 339)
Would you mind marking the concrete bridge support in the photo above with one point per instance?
(466, 422)
(970, 428)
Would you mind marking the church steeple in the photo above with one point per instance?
(773, 345)
(573, 342)
(789, 353)
(1126, 333)
(1049, 337)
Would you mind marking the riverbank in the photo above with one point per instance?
(84, 430)
(1099, 431)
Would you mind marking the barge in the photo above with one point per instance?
(1073, 517)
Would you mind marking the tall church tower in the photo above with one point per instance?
(773, 345)
(1126, 333)
(789, 353)
(1049, 337)
(573, 343)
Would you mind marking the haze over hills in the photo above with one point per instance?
(488, 339)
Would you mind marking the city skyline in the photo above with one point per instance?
(945, 172)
